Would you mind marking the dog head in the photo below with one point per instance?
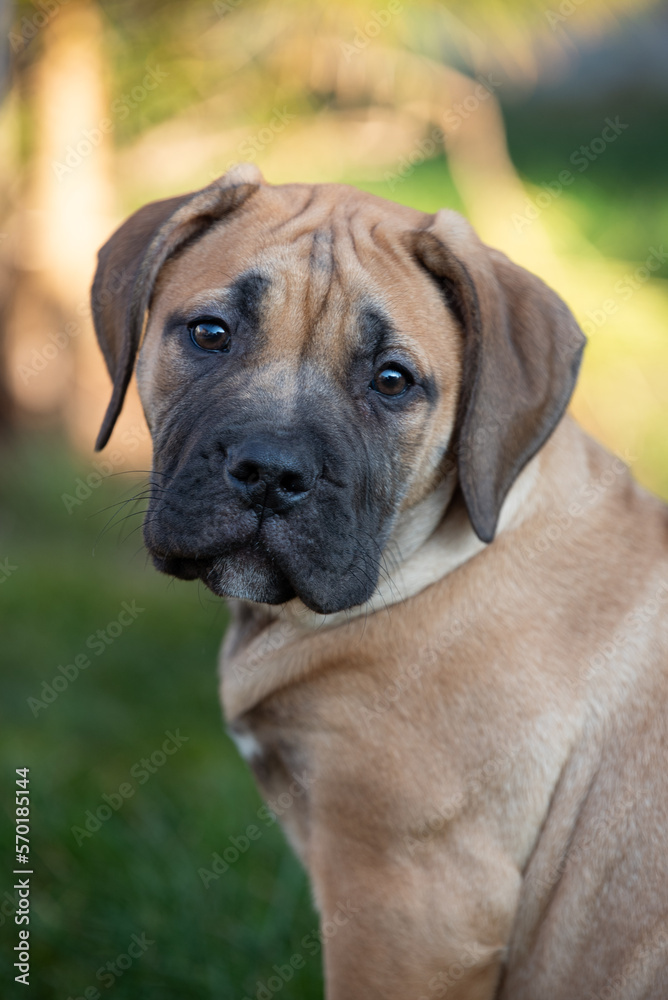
(311, 361)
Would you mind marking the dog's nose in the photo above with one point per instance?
(273, 474)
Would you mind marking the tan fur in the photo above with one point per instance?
(482, 745)
(489, 716)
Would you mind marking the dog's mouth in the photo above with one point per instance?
(249, 574)
(255, 573)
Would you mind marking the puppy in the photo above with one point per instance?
(449, 644)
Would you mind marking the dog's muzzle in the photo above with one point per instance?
(266, 516)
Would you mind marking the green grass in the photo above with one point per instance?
(137, 874)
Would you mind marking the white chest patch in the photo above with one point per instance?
(247, 745)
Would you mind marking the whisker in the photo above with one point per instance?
(144, 495)
(138, 472)
(114, 519)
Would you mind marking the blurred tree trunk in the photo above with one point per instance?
(6, 167)
(64, 214)
(7, 409)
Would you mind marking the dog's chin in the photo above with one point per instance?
(251, 575)
(248, 576)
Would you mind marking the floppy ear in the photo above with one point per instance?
(522, 352)
(129, 263)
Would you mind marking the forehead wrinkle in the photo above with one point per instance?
(327, 309)
(381, 243)
(322, 275)
(309, 278)
(334, 299)
(321, 230)
(355, 317)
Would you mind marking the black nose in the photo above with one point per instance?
(270, 473)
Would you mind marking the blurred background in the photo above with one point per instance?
(544, 123)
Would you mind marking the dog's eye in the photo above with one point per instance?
(210, 335)
(391, 381)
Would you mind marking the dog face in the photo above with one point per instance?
(296, 373)
(313, 359)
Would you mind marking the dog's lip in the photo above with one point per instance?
(204, 568)
(183, 567)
